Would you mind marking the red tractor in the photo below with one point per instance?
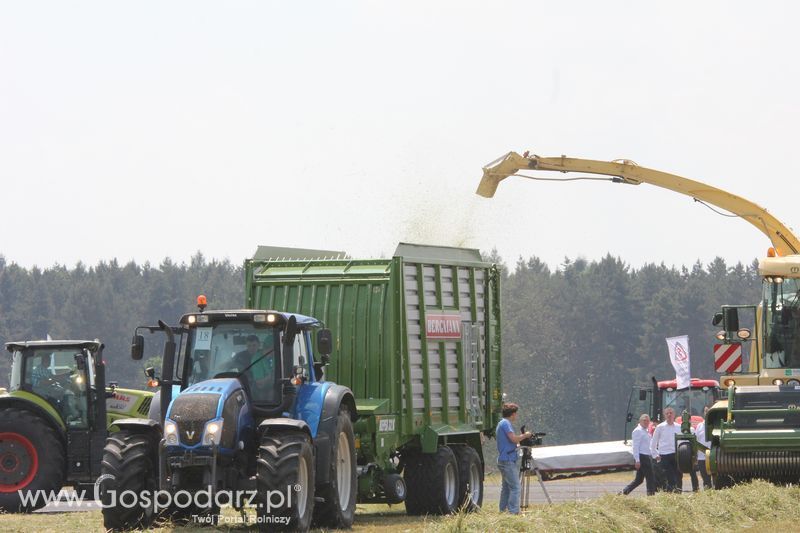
(655, 398)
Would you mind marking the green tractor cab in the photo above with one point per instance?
(54, 418)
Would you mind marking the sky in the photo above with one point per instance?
(146, 130)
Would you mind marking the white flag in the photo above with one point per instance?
(679, 356)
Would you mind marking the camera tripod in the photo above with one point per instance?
(527, 468)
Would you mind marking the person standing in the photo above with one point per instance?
(640, 441)
(700, 434)
(507, 442)
(662, 448)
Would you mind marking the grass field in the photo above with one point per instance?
(758, 506)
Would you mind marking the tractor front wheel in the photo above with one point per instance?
(32, 460)
(128, 480)
(285, 481)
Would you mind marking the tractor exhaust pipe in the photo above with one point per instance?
(167, 370)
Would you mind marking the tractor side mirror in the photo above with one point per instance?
(730, 319)
(717, 320)
(137, 348)
(324, 341)
(290, 331)
(80, 361)
(629, 417)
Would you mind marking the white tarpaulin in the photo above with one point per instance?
(580, 458)
(679, 356)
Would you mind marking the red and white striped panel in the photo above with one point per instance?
(728, 358)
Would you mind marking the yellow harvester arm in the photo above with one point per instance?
(782, 238)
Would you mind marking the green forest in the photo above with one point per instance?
(575, 339)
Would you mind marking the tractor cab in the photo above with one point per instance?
(700, 394)
(250, 346)
(60, 374)
(238, 367)
(653, 399)
(53, 418)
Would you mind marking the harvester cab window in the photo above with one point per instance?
(782, 324)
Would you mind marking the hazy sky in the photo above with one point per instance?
(142, 130)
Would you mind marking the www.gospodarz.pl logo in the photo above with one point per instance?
(162, 500)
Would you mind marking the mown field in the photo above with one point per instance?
(758, 506)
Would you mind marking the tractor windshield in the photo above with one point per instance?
(230, 348)
(53, 374)
(781, 323)
(692, 400)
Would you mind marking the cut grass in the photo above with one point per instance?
(758, 506)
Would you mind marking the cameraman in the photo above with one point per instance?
(507, 442)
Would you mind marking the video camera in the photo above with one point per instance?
(525, 447)
(533, 440)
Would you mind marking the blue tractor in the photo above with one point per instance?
(249, 421)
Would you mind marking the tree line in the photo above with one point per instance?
(578, 338)
(575, 338)
(107, 301)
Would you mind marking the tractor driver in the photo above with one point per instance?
(262, 371)
(41, 372)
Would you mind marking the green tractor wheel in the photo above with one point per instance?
(31, 459)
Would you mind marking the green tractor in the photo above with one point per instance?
(54, 419)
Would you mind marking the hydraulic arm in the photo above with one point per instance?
(756, 433)
(625, 171)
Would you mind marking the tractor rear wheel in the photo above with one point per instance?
(31, 459)
(470, 478)
(285, 481)
(339, 506)
(128, 467)
(433, 483)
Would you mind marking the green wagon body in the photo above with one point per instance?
(416, 338)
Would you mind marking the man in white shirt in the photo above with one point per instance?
(700, 433)
(662, 448)
(640, 441)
